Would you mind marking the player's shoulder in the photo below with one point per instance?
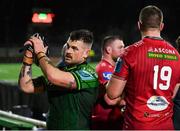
(87, 67)
(103, 64)
(86, 77)
(170, 48)
(86, 71)
(133, 47)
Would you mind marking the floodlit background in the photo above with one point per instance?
(57, 18)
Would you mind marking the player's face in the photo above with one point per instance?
(76, 52)
(117, 49)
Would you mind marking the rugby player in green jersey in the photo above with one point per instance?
(72, 89)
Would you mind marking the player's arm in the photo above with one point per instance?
(111, 101)
(56, 76)
(25, 81)
(117, 101)
(52, 73)
(103, 79)
(115, 87)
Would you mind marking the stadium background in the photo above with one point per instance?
(100, 16)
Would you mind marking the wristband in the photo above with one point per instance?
(41, 57)
(28, 54)
(27, 60)
(40, 54)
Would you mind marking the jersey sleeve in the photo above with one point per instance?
(85, 79)
(121, 69)
(123, 64)
(104, 74)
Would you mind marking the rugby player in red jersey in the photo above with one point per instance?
(148, 73)
(106, 116)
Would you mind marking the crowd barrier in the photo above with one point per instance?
(8, 121)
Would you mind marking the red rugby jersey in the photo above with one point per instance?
(151, 68)
(105, 116)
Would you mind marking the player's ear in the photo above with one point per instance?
(86, 53)
(108, 49)
(161, 26)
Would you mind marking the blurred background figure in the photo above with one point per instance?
(106, 116)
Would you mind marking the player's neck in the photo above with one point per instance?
(109, 60)
(151, 33)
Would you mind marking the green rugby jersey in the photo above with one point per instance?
(71, 109)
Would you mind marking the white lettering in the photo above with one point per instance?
(161, 50)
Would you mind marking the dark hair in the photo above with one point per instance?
(178, 44)
(108, 40)
(84, 35)
(150, 17)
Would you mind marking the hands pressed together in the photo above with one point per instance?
(36, 49)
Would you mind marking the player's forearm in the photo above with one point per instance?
(115, 87)
(25, 79)
(111, 102)
(47, 67)
(56, 76)
(29, 85)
